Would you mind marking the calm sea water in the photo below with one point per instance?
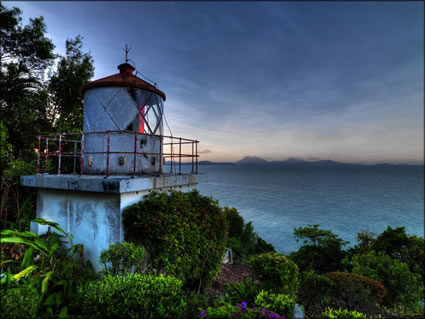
(345, 200)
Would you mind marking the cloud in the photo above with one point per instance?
(333, 155)
(204, 151)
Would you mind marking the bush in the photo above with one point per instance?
(278, 303)
(342, 314)
(185, 234)
(314, 293)
(195, 302)
(135, 296)
(19, 303)
(404, 288)
(356, 292)
(122, 258)
(239, 311)
(242, 238)
(276, 272)
(236, 222)
(239, 292)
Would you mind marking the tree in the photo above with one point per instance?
(322, 250)
(25, 54)
(398, 245)
(73, 72)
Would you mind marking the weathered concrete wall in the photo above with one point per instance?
(94, 219)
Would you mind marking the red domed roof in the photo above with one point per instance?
(124, 78)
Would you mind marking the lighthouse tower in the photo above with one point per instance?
(85, 180)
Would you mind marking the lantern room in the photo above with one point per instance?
(114, 108)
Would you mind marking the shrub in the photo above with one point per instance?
(403, 287)
(276, 273)
(134, 296)
(122, 258)
(314, 293)
(282, 304)
(195, 302)
(185, 234)
(239, 311)
(342, 314)
(19, 303)
(242, 238)
(236, 222)
(239, 292)
(356, 292)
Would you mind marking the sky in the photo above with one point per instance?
(310, 80)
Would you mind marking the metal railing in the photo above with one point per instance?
(173, 150)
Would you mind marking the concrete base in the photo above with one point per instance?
(91, 211)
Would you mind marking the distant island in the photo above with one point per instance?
(293, 162)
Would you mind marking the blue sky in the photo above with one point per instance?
(320, 80)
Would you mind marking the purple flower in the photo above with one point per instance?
(202, 313)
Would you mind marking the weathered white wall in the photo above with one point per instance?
(94, 219)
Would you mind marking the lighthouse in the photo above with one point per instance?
(84, 180)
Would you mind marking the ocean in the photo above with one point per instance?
(345, 200)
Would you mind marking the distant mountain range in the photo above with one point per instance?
(294, 162)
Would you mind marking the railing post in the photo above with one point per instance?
(46, 155)
(192, 157)
(82, 154)
(197, 157)
(180, 155)
(60, 154)
(38, 156)
(75, 156)
(160, 154)
(107, 155)
(172, 154)
(135, 150)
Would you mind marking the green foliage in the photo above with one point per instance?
(398, 245)
(133, 296)
(322, 250)
(236, 222)
(355, 292)
(276, 272)
(239, 292)
(48, 266)
(73, 72)
(122, 258)
(403, 287)
(226, 310)
(25, 53)
(314, 293)
(19, 303)
(30, 94)
(278, 303)
(184, 233)
(195, 303)
(342, 314)
(242, 238)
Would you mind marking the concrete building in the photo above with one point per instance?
(117, 159)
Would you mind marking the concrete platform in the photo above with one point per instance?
(112, 184)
